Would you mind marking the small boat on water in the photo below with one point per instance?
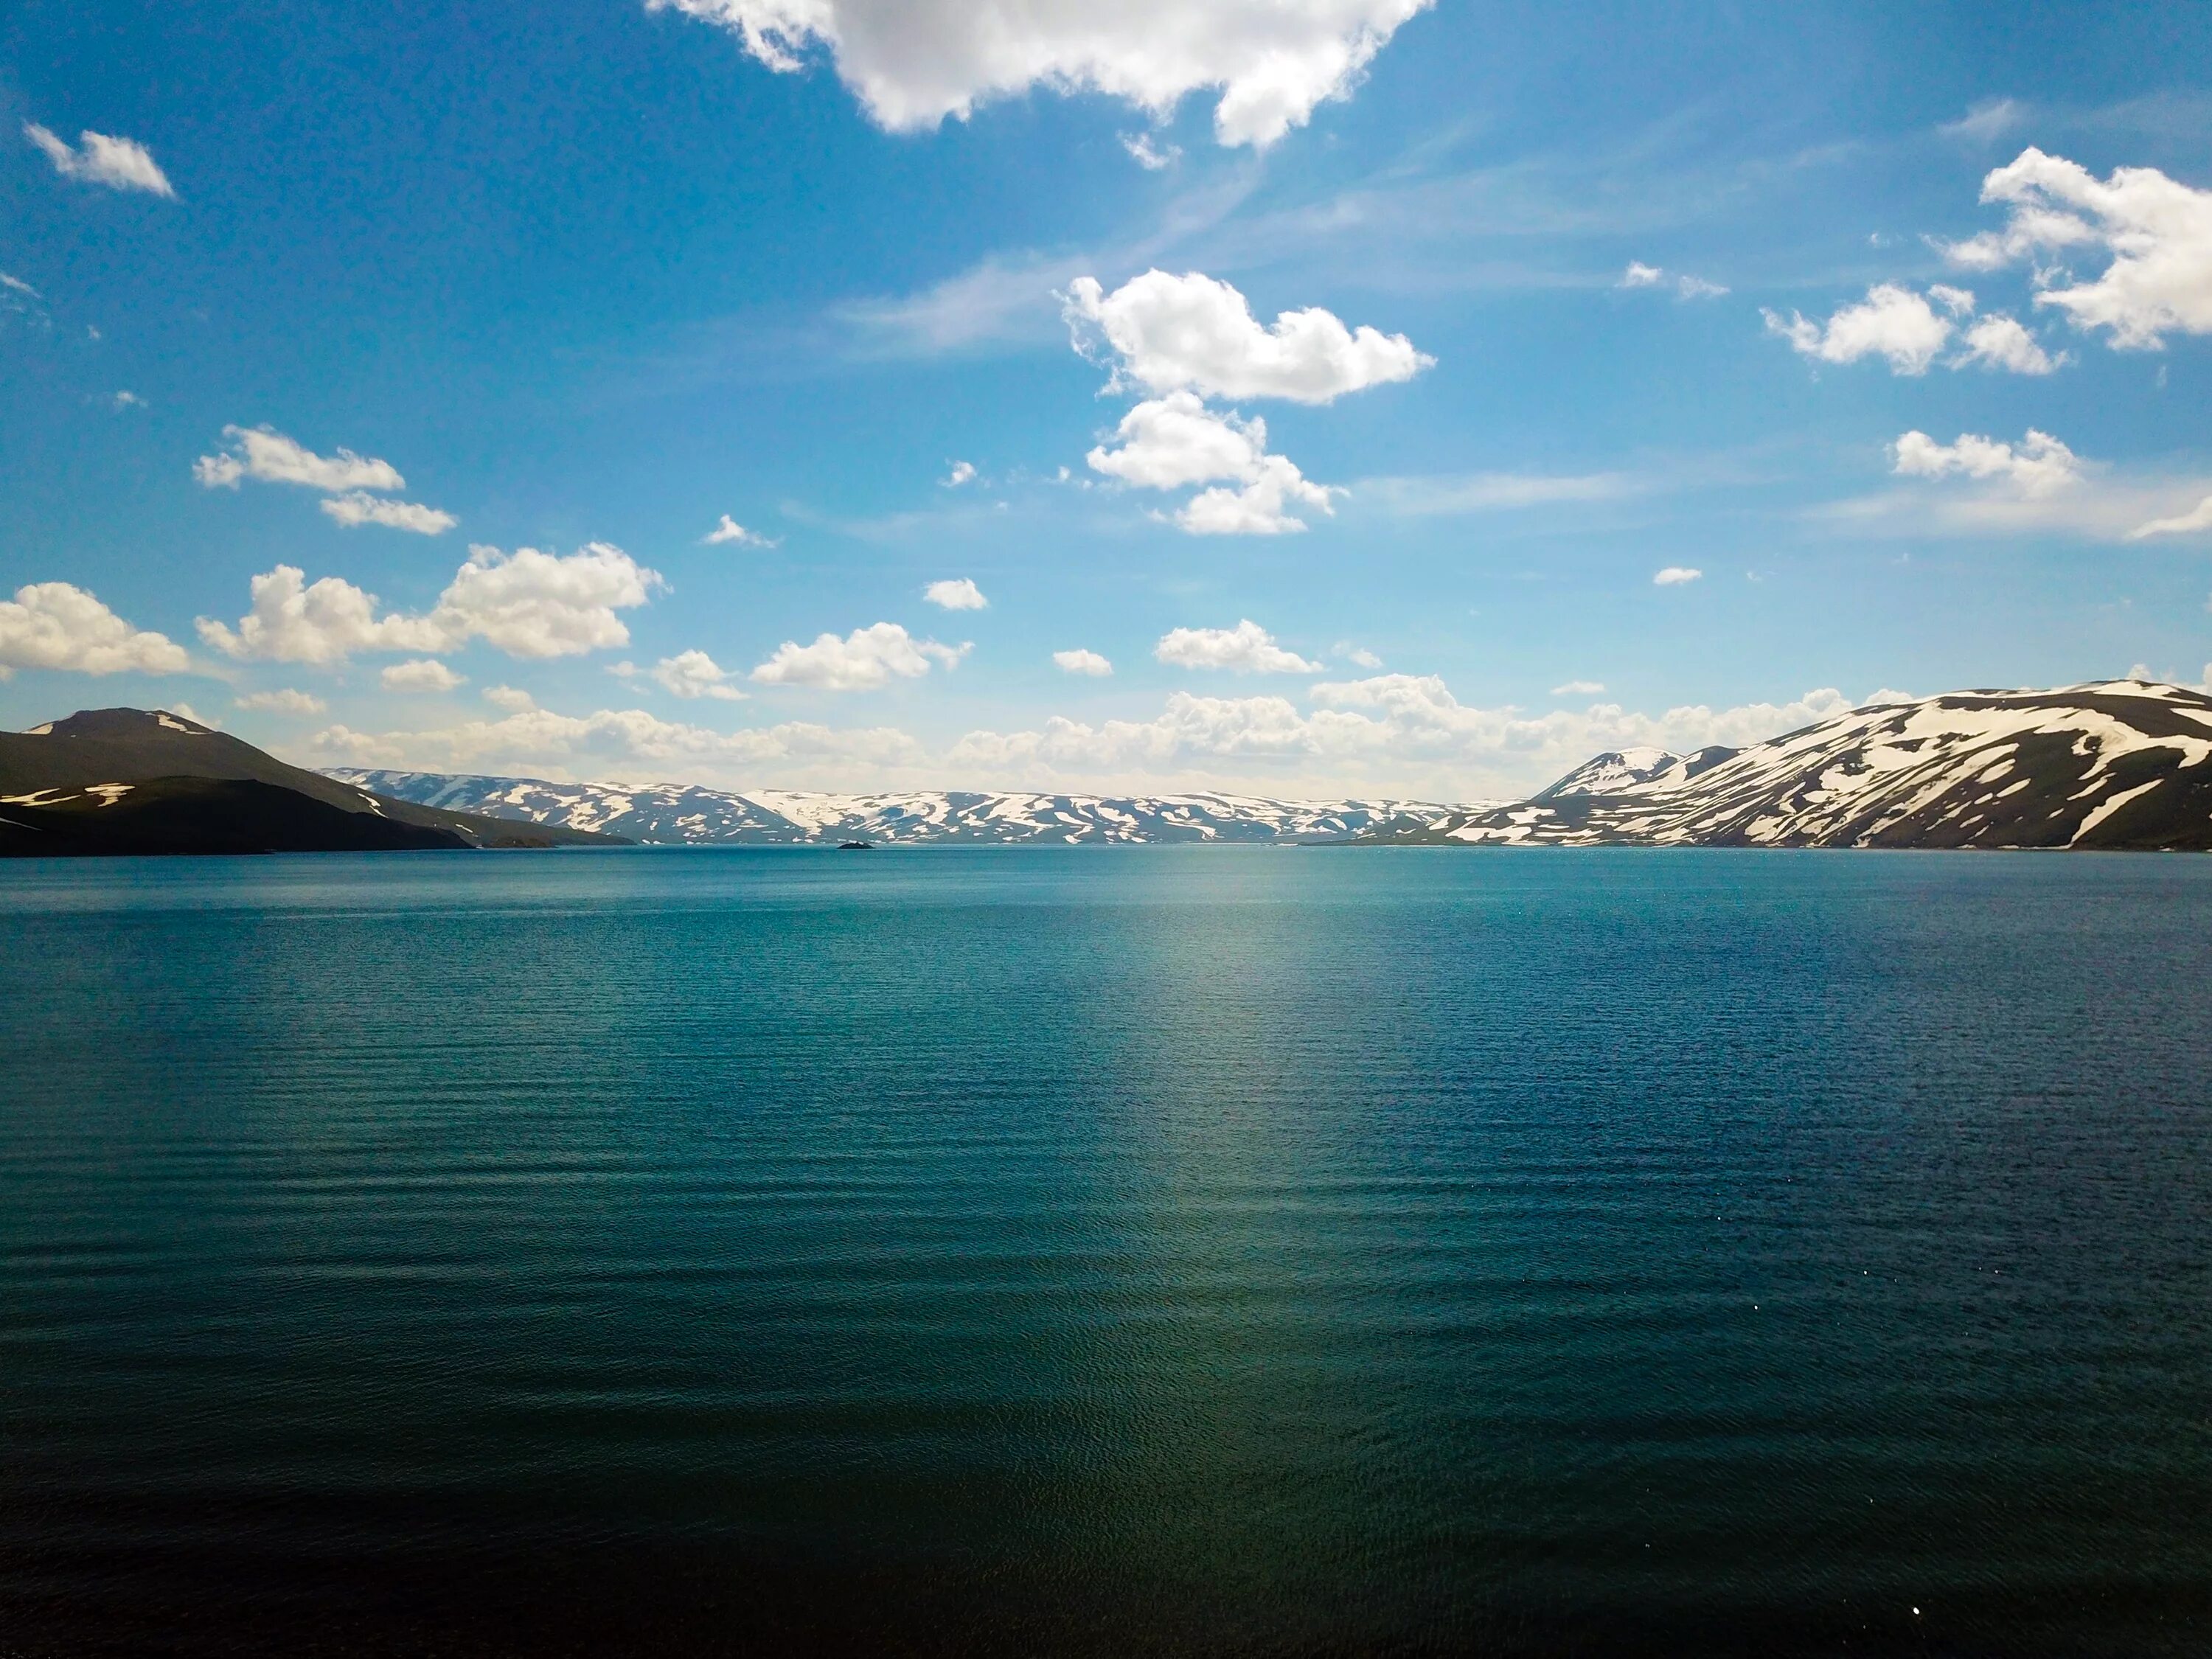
(856, 846)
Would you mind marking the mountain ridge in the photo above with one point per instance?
(2113, 763)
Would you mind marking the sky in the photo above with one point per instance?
(1312, 398)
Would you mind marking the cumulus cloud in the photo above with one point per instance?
(2157, 231)
(1578, 689)
(629, 742)
(264, 454)
(730, 532)
(695, 674)
(863, 660)
(98, 158)
(1082, 662)
(2184, 523)
(1170, 442)
(2000, 342)
(1639, 274)
(963, 472)
(1259, 508)
(424, 674)
(526, 604)
(2037, 465)
(285, 701)
(1168, 333)
(1398, 728)
(1358, 655)
(269, 457)
(356, 507)
(913, 65)
(1677, 575)
(955, 594)
(1246, 648)
(60, 626)
(1893, 323)
(513, 698)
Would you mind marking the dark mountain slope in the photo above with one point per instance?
(58, 768)
(203, 815)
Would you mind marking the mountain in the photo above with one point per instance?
(113, 780)
(685, 813)
(2119, 763)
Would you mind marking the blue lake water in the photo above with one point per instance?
(1162, 1250)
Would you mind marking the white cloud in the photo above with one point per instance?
(2199, 517)
(285, 702)
(512, 698)
(729, 530)
(17, 285)
(695, 674)
(1147, 155)
(955, 594)
(1246, 648)
(1987, 121)
(913, 63)
(98, 159)
(864, 659)
(1578, 689)
(1358, 656)
(2039, 465)
(1261, 507)
(963, 472)
(185, 711)
(1405, 731)
(1894, 323)
(261, 452)
(424, 674)
(526, 604)
(1168, 333)
(57, 625)
(1170, 442)
(291, 620)
(1676, 576)
(1639, 274)
(2157, 230)
(356, 508)
(1082, 662)
(1999, 341)
(629, 743)
(123, 400)
(1178, 441)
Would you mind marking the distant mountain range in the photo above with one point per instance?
(687, 813)
(134, 781)
(2120, 765)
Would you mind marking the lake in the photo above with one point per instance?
(1087, 1251)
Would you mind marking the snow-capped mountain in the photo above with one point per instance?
(680, 813)
(1634, 772)
(2119, 763)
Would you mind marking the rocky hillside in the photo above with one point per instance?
(2119, 763)
(684, 813)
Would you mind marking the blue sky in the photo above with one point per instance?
(1575, 299)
